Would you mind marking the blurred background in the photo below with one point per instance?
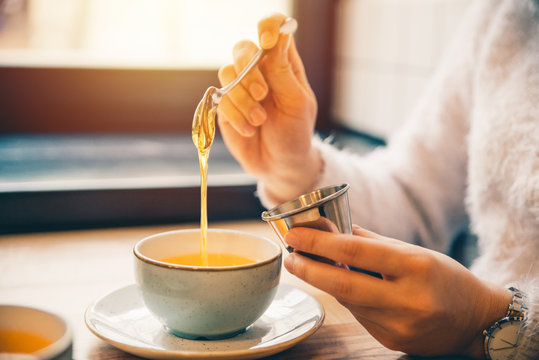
(97, 98)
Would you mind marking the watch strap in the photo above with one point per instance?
(517, 308)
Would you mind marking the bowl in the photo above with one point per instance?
(30, 333)
(209, 302)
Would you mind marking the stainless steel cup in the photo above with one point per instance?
(325, 209)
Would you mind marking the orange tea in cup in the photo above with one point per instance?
(30, 333)
(213, 259)
(17, 341)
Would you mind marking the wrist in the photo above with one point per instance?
(495, 308)
(294, 180)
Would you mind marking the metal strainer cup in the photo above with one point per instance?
(325, 209)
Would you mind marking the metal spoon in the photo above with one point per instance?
(213, 95)
(288, 27)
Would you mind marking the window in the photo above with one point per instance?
(116, 65)
(97, 99)
(129, 33)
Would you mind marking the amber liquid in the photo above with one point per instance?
(203, 132)
(214, 259)
(15, 341)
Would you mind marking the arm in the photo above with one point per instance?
(414, 189)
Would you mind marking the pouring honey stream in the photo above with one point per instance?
(203, 133)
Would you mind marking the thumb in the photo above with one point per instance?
(283, 69)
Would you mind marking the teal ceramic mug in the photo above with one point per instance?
(210, 302)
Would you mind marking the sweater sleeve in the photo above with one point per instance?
(529, 346)
(414, 189)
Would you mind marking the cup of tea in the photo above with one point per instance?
(210, 302)
(30, 333)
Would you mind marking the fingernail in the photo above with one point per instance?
(267, 40)
(258, 92)
(289, 262)
(258, 116)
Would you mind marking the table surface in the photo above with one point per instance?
(64, 272)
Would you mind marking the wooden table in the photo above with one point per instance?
(64, 272)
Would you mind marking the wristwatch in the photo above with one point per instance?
(502, 338)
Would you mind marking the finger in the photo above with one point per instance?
(345, 285)
(227, 111)
(282, 63)
(269, 29)
(234, 141)
(240, 109)
(359, 231)
(252, 111)
(253, 81)
(365, 253)
(279, 72)
(297, 64)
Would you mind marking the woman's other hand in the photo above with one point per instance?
(426, 304)
(267, 121)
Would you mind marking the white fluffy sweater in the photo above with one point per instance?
(468, 157)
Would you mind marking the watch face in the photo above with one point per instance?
(504, 340)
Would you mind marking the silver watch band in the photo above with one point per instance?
(517, 308)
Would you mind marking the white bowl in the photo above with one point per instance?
(40, 323)
(207, 302)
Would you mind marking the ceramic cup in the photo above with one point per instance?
(35, 322)
(207, 302)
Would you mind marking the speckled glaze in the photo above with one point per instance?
(207, 302)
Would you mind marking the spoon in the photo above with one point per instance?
(203, 128)
(288, 27)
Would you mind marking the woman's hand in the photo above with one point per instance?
(426, 304)
(267, 121)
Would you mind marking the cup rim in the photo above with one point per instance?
(163, 264)
(266, 214)
(58, 346)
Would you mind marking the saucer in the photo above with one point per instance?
(121, 319)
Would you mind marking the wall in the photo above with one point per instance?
(386, 51)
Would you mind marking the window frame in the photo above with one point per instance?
(136, 100)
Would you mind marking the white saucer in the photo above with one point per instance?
(121, 319)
